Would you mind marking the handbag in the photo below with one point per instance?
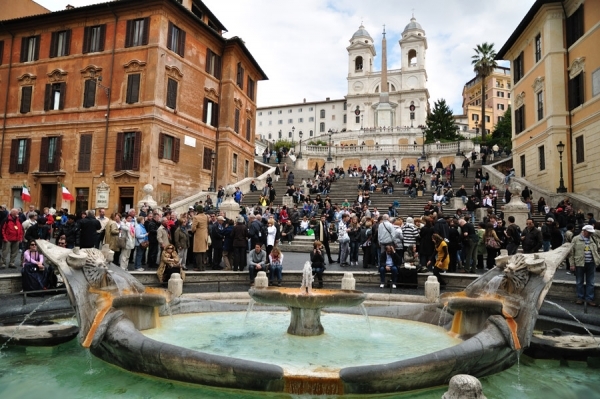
(208, 241)
(144, 244)
(122, 240)
(490, 242)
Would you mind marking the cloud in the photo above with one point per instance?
(301, 46)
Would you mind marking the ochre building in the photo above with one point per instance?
(120, 95)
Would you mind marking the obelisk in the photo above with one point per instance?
(384, 110)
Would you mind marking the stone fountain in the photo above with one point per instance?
(494, 317)
(305, 304)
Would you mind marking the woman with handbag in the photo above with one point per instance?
(36, 276)
(141, 243)
(111, 236)
(169, 264)
(126, 241)
(492, 245)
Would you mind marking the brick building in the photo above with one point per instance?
(127, 93)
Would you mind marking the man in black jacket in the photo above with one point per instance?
(322, 234)
(152, 227)
(531, 238)
(87, 235)
(69, 231)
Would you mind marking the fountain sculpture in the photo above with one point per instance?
(494, 317)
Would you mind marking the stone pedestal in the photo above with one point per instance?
(481, 213)
(230, 207)
(455, 203)
(348, 282)
(432, 289)
(148, 200)
(261, 280)
(305, 322)
(464, 386)
(516, 208)
(176, 284)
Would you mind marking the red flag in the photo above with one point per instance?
(67, 196)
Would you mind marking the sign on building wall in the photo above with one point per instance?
(102, 195)
(189, 141)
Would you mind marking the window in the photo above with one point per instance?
(518, 68)
(357, 119)
(345, 118)
(574, 26)
(85, 153)
(213, 65)
(542, 158)
(89, 93)
(487, 118)
(290, 135)
(133, 88)
(19, 156)
(93, 39)
(250, 89)
(311, 133)
(280, 136)
(322, 127)
(310, 108)
(60, 44)
(50, 154)
(499, 119)
(540, 105)
(248, 129)
(299, 109)
(300, 120)
(280, 122)
(211, 113)
(475, 117)
(270, 112)
(206, 159)
(168, 147)
(234, 164)
(358, 63)
(260, 123)
(26, 92)
(500, 107)
(129, 147)
(240, 76)
(30, 48)
(1, 50)
(500, 94)
(260, 113)
(236, 121)
(289, 111)
(507, 95)
(137, 32)
(579, 150)
(246, 168)
(311, 119)
(538, 47)
(576, 91)
(520, 119)
(270, 123)
(322, 113)
(172, 93)
(279, 112)
(290, 121)
(176, 40)
(345, 106)
(270, 136)
(54, 98)
(522, 165)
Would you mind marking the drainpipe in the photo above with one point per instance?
(570, 131)
(12, 40)
(110, 84)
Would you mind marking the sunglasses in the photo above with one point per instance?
(33, 245)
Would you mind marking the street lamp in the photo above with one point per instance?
(423, 128)
(300, 152)
(458, 153)
(329, 159)
(561, 186)
(293, 128)
(476, 128)
(212, 171)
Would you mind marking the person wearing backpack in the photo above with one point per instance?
(470, 241)
(513, 236)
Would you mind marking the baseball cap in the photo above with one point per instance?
(589, 228)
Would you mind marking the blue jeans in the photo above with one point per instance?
(394, 271)
(276, 272)
(587, 272)
(252, 271)
(546, 245)
(354, 251)
(139, 255)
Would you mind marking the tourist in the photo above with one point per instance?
(492, 245)
(271, 235)
(344, 240)
(317, 261)
(69, 231)
(181, 240)
(390, 262)
(276, 266)
(88, 231)
(470, 240)
(287, 232)
(584, 257)
(258, 261)
(216, 236)
(513, 236)
(200, 230)
(531, 238)
(441, 259)
(163, 235)
(426, 249)
(126, 237)
(35, 275)
(239, 238)
(322, 234)
(169, 264)
(141, 243)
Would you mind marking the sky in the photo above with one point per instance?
(301, 45)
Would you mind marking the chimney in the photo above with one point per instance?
(326, 98)
(305, 100)
(69, 7)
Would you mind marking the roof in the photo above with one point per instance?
(413, 25)
(361, 32)
(300, 104)
(522, 26)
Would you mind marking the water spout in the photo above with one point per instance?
(307, 279)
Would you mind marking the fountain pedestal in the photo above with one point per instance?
(305, 322)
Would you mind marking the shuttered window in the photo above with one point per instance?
(176, 39)
(168, 147)
(26, 92)
(19, 156)
(171, 93)
(210, 114)
(94, 38)
(1, 51)
(248, 129)
(30, 48)
(54, 98)
(518, 67)
(133, 88)
(520, 119)
(576, 86)
(579, 149)
(240, 76)
(137, 32)
(206, 159)
(234, 165)
(574, 26)
(89, 93)
(50, 152)
(236, 121)
(129, 147)
(85, 153)
(250, 88)
(213, 64)
(60, 44)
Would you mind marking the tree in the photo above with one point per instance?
(502, 134)
(484, 63)
(440, 123)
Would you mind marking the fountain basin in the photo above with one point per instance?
(305, 308)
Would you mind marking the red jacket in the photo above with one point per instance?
(12, 230)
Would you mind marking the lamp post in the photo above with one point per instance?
(458, 153)
(423, 128)
(476, 128)
(300, 152)
(329, 159)
(561, 185)
(293, 129)
(212, 171)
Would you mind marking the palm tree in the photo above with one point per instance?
(484, 63)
